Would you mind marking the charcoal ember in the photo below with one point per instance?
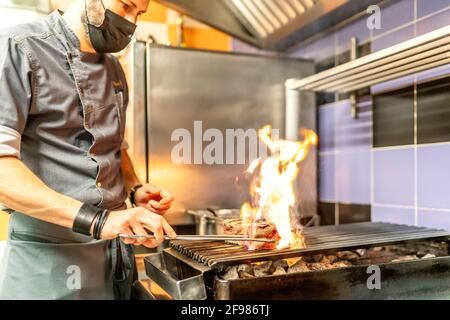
(279, 271)
(245, 268)
(317, 266)
(231, 273)
(328, 259)
(341, 264)
(361, 252)
(252, 229)
(308, 258)
(278, 264)
(406, 258)
(428, 256)
(245, 275)
(262, 269)
(347, 255)
(300, 266)
(245, 271)
(317, 257)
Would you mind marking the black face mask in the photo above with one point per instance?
(113, 35)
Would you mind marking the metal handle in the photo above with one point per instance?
(179, 289)
(200, 238)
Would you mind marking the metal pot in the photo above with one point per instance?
(210, 221)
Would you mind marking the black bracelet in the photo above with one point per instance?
(100, 223)
(97, 224)
(133, 193)
(84, 219)
(106, 215)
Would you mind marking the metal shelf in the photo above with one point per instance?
(422, 53)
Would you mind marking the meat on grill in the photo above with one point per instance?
(253, 229)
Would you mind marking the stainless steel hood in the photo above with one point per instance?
(270, 24)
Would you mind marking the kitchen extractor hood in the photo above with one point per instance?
(271, 24)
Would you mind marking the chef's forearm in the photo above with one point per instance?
(129, 175)
(22, 191)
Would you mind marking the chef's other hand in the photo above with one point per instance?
(137, 221)
(153, 198)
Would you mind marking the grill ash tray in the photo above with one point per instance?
(181, 280)
(412, 262)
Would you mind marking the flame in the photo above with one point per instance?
(273, 185)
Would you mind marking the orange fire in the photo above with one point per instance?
(272, 187)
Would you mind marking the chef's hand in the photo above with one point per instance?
(137, 221)
(153, 198)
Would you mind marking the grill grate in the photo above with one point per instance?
(318, 239)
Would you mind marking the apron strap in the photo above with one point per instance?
(124, 270)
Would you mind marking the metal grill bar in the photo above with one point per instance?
(216, 254)
(421, 53)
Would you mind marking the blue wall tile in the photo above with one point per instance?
(393, 84)
(357, 29)
(393, 215)
(434, 73)
(434, 22)
(434, 219)
(433, 166)
(394, 176)
(327, 124)
(353, 176)
(395, 15)
(426, 7)
(319, 50)
(327, 175)
(393, 38)
(353, 133)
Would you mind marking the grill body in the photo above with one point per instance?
(190, 270)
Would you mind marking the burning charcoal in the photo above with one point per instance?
(361, 252)
(317, 266)
(245, 268)
(428, 256)
(279, 271)
(347, 255)
(328, 259)
(317, 257)
(245, 275)
(262, 269)
(231, 273)
(300, 266)
(308, 259)
(406, 258)
(279, 263)
(341, 264)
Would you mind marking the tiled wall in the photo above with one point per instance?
(393, 162)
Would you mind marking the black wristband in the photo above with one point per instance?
(100, 223)
(84, 219)
(105, 217)
(97, 223)
(133, 193)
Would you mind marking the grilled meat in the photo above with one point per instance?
(254, 229)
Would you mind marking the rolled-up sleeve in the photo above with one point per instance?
(16, 78)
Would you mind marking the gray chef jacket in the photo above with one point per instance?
(62, 112)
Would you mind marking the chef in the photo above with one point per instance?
(64, 169)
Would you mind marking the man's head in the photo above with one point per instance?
(109, 24)
(128, 9)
